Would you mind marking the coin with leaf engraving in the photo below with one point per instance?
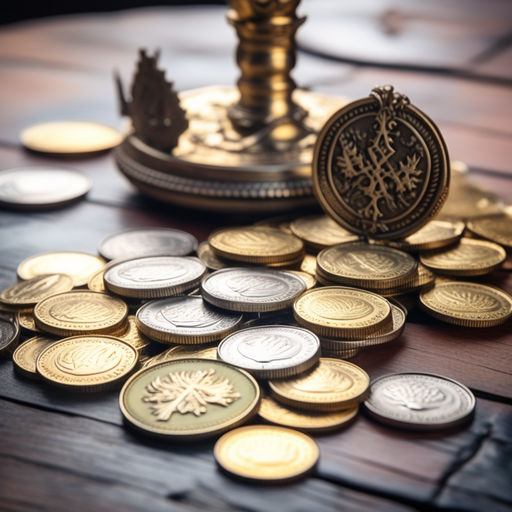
(420, 401)
(25, 356)
(189, 398)
(266, 453)
(270, 352)
(141, 242)
(185, 319)
(87, 363)
(380, 166)
(251, 289)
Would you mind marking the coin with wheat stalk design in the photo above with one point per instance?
(419, 401)
(380, 166)
(189, 398)
(467, 304)
(331, 386)
(87, 363)
(271, 352)
(266, 453)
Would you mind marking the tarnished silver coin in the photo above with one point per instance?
(39, 188)
(420, 401)
(251, 290)
(9, 332)
(138, 243)
(185, 319)
(154, 277)
(271, 352)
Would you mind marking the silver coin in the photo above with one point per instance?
(271, 352)
(420, 401)
(38, 188)
(251, 290)
(154, 277)
(9, 332)
(138, 243)
(185, 319)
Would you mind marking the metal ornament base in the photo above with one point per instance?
(215, 168)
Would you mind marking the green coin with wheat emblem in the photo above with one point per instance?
(80, 312)
(25, 356)
(28, 293)
(256, 244)
(467, 304)
(469, 257)
(341, 312)
(332, 385)
(87, 363)
(266, 453)
(380, 166)
(365, 265)
(189, 398)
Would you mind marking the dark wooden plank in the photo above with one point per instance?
(76, 458)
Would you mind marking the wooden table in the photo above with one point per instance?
(62, 452)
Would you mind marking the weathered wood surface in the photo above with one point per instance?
(59, 453)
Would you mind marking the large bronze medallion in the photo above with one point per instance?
(380, 166)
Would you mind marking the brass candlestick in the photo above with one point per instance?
(243, 149)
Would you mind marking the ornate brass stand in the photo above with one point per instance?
(243, 149)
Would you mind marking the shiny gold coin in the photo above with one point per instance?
(497, 228)
(96, 283)
(365, 265)
(308, 279)
(131, 335)
(27, 321)
(25, 356)
(79, 265)
(87, 363)
(422, 279)
(253, 244)
(306, 421)
(348, 353)
(308, 264)
(380, 166)
(28, 293)
(80, 312)
(266, 453)
(187, 399)
(337, 311)
(467, 304)
(469, 258)
(433, 235)
(332, 385)
(183, 352)
(320, 231)
(70, 137)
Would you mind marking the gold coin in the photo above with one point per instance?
(398, 313)
(183, 352)
(380, 166)
(27, 321)
(497, 228)
(80, 312)
(420, 280)
(131, 335)
(70, 137)
(29, 293)
(189, 398)
(79, 265)
(467, 304)
(433, 235)
(208, 258)
(320, 231)
(332, 385)
(308, 264)
(266, 453)
(470, 257)
(337, 311)
(348, 353)
(365, 265)
(253, 244)
(308, 279)
(87, 363)
(306, 421)
(25, 356)
(96, 283)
